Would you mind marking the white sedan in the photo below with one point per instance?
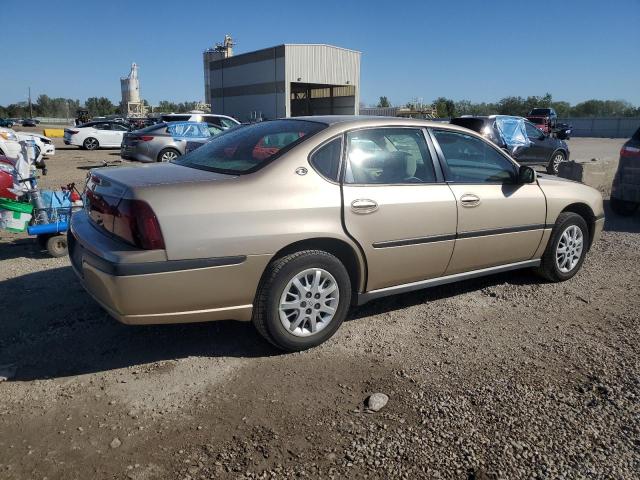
(44, 144)
(93, 135)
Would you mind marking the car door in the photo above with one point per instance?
(499, 220)
(118, 131)
(105, 135)
(395, 207)
(536, 152)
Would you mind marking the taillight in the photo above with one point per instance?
(136, 223)
(628, 151)
(144, 138)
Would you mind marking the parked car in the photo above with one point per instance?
(93, 135)
(44, 145)
(165, 141)
(9, 143)
(214, 120)
(544, 118)
(538, 148)
(625, 192)
(292, 239)
(29, 122)
(6, 122)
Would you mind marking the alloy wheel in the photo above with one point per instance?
(569, 249)
(91, 144)
(168, 156)
(557, 160)
(309, 302)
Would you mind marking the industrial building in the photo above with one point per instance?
(131, 105)
(283, 81)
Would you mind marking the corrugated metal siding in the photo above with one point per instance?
(322, 64)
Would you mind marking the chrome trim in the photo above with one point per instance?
(363, 298)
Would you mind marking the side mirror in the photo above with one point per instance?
(526, 174)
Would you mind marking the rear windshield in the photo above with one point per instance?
(248, 148)
(636, 136)
(474, 124)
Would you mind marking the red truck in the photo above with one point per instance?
(544, 118)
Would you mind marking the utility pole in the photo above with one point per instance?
(30, 107)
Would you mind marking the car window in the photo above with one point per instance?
(214, 129)
(471, 160)
(120, 128)
(227, 123)
(188, 130)
(532, 132)
(248, 148)
(388, 156)
(326, 160)
(102, 126)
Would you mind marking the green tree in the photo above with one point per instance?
(445, 107)
(384, 102)
(99, 106)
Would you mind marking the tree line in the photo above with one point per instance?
(521, 106)
(45, 106)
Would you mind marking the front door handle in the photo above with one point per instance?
(364, 205)
(469, 200)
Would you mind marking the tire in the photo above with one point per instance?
(168, 154)
(91, 143)
(42, 241)
(57, 246)
(622, 207)
(275, 288)
(554, 163)
(550, 268)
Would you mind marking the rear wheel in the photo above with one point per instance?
(554, 164)
(302, 300)
(91, 143)
(57, 245)
(566, 249)
(168, 154)
(622, 207)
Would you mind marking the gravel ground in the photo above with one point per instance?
(503, 377)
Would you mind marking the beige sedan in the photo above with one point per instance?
(287, 223)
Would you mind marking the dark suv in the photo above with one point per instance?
(539, 148)
(625, 193)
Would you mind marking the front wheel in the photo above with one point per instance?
(302, 300)
(566, 249)
(554, 164)
(622, 207)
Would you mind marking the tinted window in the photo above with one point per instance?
(176, 118)
(540, 111)
(474, 124)
(532, 132)
(247, 149)
(326, 160)
(636, 136)
(119, 127)
(388, 156)
(471, 160)
(102, 126)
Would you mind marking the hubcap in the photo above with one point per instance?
(569, 249)
(168, 156)
(91, 144)
(309, 302)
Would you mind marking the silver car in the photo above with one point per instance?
(164, 142)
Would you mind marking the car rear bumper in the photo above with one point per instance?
(134, 153)
(156, 291)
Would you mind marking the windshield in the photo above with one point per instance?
(248, 148)
(540, 111)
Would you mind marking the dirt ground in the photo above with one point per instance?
(503, 377)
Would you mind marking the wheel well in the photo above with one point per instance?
(339, 248)
(585, 212)
(164, 150)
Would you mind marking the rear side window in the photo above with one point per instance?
(471, 160)
(326, 160)
(636, 136)
(388, 156)
(189, 130)
(102, 126)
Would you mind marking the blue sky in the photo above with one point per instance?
(481, 51)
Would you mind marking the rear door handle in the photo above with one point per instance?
(364, 205)
(469, 200)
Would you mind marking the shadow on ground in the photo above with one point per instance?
(52, 328)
